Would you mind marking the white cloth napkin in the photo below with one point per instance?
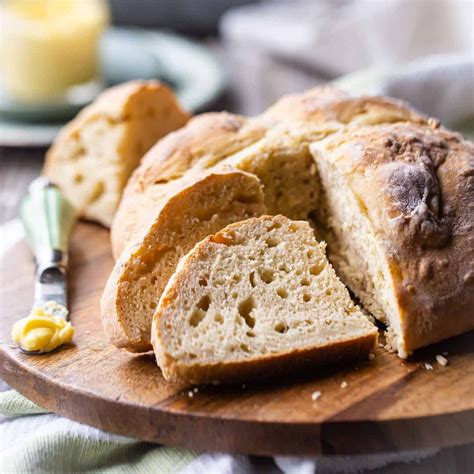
(342, 36)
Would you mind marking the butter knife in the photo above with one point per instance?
(48, 219)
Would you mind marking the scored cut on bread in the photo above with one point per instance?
(397, 208)
(257, 299)
(95, 154)
(194, 207)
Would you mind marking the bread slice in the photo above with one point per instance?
(258, 298)
(94, 155)
(397, 208)
(190, 209)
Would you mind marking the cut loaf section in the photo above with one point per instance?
(94, 155)
(259, 298)
(193, 208)
(398, 208)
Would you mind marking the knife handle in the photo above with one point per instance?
(48, 219)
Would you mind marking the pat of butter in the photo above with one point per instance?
(48, 46)
(43, 330)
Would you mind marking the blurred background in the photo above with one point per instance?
(237, 55)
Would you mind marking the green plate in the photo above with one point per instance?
(189, 68)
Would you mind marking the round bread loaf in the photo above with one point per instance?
(390, 190)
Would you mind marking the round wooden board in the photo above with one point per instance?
(389, 404)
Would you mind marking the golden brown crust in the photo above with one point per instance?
(211, 138)
(292, 362)
(205, 141)
(417, 186)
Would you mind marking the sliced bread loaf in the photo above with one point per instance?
(398, 211)
(191, 209)
(259, 298)
(94, 155)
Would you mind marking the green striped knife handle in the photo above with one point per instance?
(48, 219)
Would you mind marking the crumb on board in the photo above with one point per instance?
(196, 389)
(371, 356)
(445, 353)
(428, 366)
(441, 360)
(344, 384)
(190, 394)
(244, 386)
(315, 395)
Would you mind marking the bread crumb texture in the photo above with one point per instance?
(259, 290)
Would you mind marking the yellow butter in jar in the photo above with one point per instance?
(49, 46)
(44, 330)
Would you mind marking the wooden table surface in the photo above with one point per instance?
(254, 84)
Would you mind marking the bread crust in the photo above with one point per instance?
(289, 363)
(208, 139)
(121, 108)
(205, 141)
(161, 220)
(416, 186)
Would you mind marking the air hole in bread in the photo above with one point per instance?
(153, 280)
(99, 189)
(272, 242)
(196, 317)
(252, 279)
(237, 278)
(245, 309)
(274, 225)
(284, 268)
(310, 253)
(227, 238)
(234, 295)
(281, 327)
(304, 282)
(152, 305)
(282, 293)
(218, 318)
(266, 275)
(78, 178)
(316, 269)
(161, 181)
(244, 347)
(202, 281)
(204, 302)
(293, 227)
(306, 297)
(250, 334)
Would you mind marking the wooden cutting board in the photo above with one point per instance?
(388, 405)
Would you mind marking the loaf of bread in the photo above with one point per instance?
(190, 209)
(398, 208)
(346, 164)
(257, 299)
(94, 155)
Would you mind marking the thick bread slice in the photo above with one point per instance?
(273, 146)
(257, 299)
(194, 207)
(398, 204)
(206, 140)
(94, 155)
